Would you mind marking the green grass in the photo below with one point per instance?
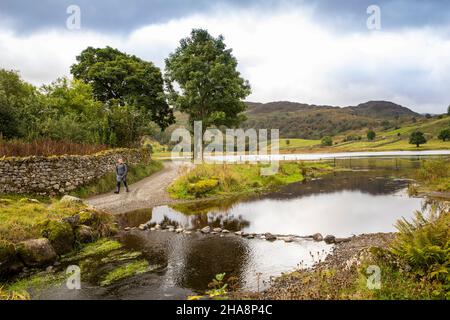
(22, 219)
(233, 179)
(125, 271)
(297, 143)
(100, 247)
(107, 183)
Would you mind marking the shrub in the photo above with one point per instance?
(60, 235)
(202, 187)
(327, 141)
(371, 135)
(424, 243)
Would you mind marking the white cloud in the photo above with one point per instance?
(285, 55)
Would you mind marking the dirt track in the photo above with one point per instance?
(146, 193)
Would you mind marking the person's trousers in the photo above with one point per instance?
(124, 184)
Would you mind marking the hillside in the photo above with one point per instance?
(297, 120)
(386, 140)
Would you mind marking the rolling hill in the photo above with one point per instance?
(298, 120)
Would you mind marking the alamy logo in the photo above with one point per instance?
(228, 146)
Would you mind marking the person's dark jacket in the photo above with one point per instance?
(121, 172)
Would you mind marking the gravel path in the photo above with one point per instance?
(146, 193)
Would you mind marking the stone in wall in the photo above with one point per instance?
(61, 174)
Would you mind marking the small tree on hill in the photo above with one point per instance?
(444, 135)
(371, 135)
(417, 138)
(327, 141)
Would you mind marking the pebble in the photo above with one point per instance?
(206, 229)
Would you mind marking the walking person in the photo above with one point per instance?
(121, 174)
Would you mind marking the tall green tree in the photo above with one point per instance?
(417, 138)
(19, 105)
(202, 80)
(121, 79)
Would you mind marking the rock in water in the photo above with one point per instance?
(238, 233)
(329, 239)
(270, 237)
(206, 229)
(317, 237)
(157, 227)
(179, 230)
(217, 230)
(225, 231)
(36, 252)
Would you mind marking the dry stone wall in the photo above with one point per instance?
(61, 174)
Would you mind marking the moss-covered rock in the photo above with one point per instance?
(7, 256)
(88, 218)
(202, 187)
(36, 252)
(60, 234)
(85, 234)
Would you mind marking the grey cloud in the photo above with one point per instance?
(125, 16)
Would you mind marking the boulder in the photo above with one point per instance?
(217, 230)
(71, 200)
(36, 252)
(72, 220)
(317, 237)
(206, 229)
(157, 227)
(7, 256)
(142, 227)
(238, 233)
(329, 239)
(270, 237)
(340, 240)
(225, 231)
(84, 234)
(60, 234)
(179, 230)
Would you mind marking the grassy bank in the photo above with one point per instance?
(107, 183)
(414, 265)
(22, 218)
(208, 180)
(433, 176)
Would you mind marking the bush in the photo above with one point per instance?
(327, 141)
(371, 135)
(202, 187)
(424, 243)
(60, 235)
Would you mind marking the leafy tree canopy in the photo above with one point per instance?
(444, 135)
(203, 81)
(417, 138)
(121, 79)
(371, 135)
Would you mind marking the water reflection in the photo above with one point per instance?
(342, 204)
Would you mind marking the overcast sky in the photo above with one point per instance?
(317, 52)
